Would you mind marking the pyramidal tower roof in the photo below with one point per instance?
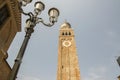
(65, 25)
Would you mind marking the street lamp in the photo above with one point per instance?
(29, 29)
(118, 60)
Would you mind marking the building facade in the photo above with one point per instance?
(68, 67)
(10, 24)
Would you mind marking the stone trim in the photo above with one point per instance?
(16, 12)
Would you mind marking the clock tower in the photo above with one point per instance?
(68, 67)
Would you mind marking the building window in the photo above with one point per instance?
(4, 14)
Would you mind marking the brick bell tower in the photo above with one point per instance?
(68, 67)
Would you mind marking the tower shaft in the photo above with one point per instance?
(68, 67)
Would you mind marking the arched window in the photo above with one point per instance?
(63, 33)
(69, 33)
(62, 67)
(66, 33)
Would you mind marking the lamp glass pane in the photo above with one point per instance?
(24, 3)
(27, 1)
(53, 13)
(39, 6)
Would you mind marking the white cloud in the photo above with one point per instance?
(97, 73)
(27, 78)
(100, 70)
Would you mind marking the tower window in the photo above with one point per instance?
(63, 33)
(4, 14)
(62, 66)
(69, 33)
(66, 33)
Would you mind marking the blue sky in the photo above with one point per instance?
(96, 25)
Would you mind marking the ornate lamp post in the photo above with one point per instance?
(118, 61)
(30, 24)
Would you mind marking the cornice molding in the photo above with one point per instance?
(16, 13)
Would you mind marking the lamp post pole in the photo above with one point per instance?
(20, 55)
(30, 24)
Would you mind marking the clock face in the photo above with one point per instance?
(66, 43)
